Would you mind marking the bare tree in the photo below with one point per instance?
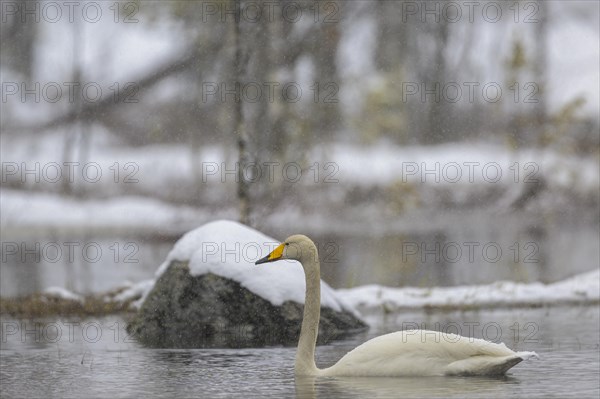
(539, 65)
(239, 70)
(19, 34)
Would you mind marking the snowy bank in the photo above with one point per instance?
(45, 210)
(417, 176)
(580, 289)
(63, 293)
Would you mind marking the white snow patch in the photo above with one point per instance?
(139, 289)
(63, 293)
(229, 249)
(457, 164)
(582, 288)
(21, 208)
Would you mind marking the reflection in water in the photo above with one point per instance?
(81, 264)
(173, 356)
(465, 249)
(405, 387)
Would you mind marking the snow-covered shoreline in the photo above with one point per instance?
(36, 211)
(114, 168)
(398, 180)
(580, 289)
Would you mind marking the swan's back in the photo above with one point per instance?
(426, 353)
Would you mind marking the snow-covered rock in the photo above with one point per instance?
(229, 249)
(208, 292)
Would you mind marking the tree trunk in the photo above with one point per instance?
(539, 68)
(239, 70)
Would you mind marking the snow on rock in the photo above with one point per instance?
(209, 293)
(229, 249)
(583, 288)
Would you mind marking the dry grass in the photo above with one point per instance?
(39, 305)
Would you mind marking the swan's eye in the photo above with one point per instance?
(287, 244)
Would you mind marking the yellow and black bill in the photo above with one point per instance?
(276, 254)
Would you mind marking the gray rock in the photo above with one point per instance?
(185, 311)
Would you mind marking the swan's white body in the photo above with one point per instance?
(403, 353)
(425, 353)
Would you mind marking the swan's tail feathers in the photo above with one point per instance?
(488, 365)
(528, 355)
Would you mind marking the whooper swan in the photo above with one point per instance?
(403, 353)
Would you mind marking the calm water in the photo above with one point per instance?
(95, 358)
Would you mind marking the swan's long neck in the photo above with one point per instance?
(305, 356)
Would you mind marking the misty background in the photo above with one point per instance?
(419, 143)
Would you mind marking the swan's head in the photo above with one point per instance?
(297, 247)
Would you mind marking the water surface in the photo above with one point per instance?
(96, 358)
